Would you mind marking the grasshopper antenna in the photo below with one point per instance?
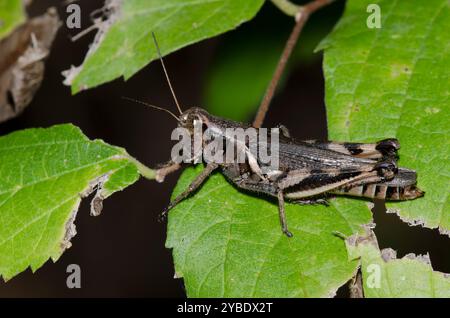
(152, 106)
(165, 72)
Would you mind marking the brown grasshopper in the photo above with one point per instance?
(308, 171)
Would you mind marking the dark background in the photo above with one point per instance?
(121, 253)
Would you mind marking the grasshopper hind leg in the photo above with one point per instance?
(282, 210)
(381, 149)
(282, 214)
(401, 187)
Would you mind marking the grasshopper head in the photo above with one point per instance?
(193, 115)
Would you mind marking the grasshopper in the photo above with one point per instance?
(308, 171)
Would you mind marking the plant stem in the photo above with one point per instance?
(145, 171)
(287, 7)
(302, 15)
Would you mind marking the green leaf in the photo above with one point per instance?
(124, 44)
(44, 173)
(229, 244)
(394, 82)
(11, 15)
(386, 276)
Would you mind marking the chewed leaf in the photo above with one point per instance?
(227, 243)
(386, 276)
(393, 81)
(44, 174)
(123, 44)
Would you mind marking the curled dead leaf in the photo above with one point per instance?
(22, 55)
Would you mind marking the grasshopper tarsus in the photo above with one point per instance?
(162, 217)
(321, 201)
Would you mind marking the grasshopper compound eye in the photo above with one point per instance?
(184, 118)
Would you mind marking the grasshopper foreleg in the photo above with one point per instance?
(198, 181)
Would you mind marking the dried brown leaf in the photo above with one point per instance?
(22, 55)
